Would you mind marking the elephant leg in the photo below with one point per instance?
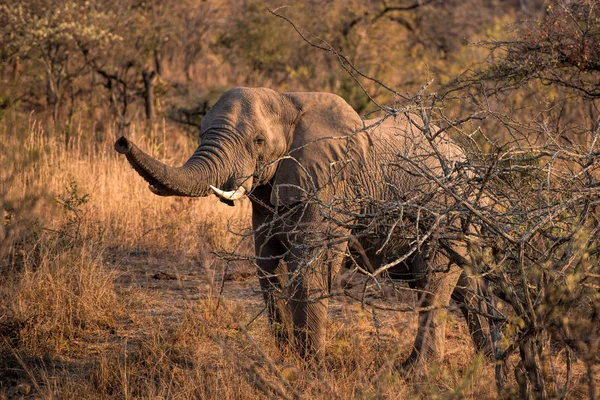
(433, 301)
(272, 276)
(309, 285)
(309, 315)
(468, 296)
(270, 253)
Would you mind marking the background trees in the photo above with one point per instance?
(135, 57)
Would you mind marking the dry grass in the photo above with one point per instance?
(128, 214)
(86, 313)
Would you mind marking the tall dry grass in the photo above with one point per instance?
(72, 213)
(121, 205)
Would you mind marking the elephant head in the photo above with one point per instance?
(252, 136)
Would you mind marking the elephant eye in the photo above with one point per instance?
(259, 141)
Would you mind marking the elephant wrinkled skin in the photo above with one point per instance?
(316, 173)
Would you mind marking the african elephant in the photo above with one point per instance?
(315, 175)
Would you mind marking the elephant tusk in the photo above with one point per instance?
(153, 189)
(231, 194)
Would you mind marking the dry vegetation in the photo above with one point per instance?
(108, 291)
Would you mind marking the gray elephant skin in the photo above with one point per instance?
(316, 175)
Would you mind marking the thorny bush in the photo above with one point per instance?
(524, 201)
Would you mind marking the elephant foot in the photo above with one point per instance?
(307, 344)
(408, 366)
(281, 334)
(488, 353)
(418, 363)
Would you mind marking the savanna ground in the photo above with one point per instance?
(109, 291)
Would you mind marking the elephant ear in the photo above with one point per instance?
(328, 144)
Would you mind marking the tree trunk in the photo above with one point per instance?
(16, 68)
(157, 62)
(52, 96)
(149, 80)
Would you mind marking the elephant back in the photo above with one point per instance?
(392, 189)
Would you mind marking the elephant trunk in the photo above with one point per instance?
(193, 179)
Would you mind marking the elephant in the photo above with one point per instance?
(316, 173)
